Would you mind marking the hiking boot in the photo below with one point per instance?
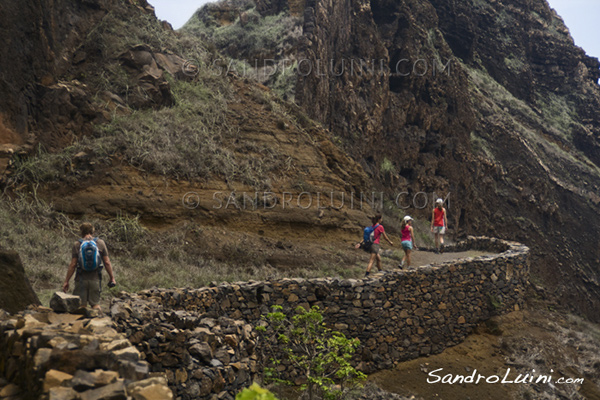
(367, 274)
(441, 248)
(437, 251)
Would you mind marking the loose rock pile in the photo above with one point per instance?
(67, 356)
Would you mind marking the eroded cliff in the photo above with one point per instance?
(490, 102)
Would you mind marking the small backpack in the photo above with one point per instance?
(89, 255)
(369, 237)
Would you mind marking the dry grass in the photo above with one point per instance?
(142, 259)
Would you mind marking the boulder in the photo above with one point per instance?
(64, 303)
(63, 393)
(202, 351)
(10, 391)
(114, 391)
(55, 378)
(150, 389)
(16, 292)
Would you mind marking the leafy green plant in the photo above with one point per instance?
(318, 354)
(494, 302)
(387, 166)
(255, 392)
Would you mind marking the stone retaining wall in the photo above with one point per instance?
(203, 340)
(397, 315)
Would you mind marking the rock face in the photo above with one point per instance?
(15, 290)
(274, 7)
(487, 102)
(490, 102)
(43, 101)
(38, 41)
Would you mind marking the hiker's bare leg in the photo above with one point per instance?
(371, 261)
(407, 255)
(378, 262)
(437, 241)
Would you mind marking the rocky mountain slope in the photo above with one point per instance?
(107, 114)
(489, 102)
(111, 116)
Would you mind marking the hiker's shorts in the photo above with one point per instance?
(374, 248)
(88, 291)
(439, 229)
(407, 245)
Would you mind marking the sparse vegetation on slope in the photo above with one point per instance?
(187, 256)
(259, 47)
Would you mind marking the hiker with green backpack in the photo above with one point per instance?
(89, 254)
(370, 243)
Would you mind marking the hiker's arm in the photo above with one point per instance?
(432, 219)
(70, 273)
(445, 219)
(385, 236)
(109, 269)
(412, 236)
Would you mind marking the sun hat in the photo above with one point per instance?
(408, 218)
(439, 201)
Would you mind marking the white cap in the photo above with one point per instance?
(408, 218)
(439, 201)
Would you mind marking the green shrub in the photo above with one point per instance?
(387, 166)
(258, 35)
(255, 392)
(318, 354)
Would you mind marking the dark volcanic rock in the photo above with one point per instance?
(44, 68)
(490, 103)
(16, 292)
(274, 7)
(38, 39)
(64, 302)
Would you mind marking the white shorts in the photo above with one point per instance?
(439, 229)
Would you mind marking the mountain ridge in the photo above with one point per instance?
(503, 130)
(509, 127)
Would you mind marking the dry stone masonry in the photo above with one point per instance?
(202, 357)
(203, 339)
(203, 343)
